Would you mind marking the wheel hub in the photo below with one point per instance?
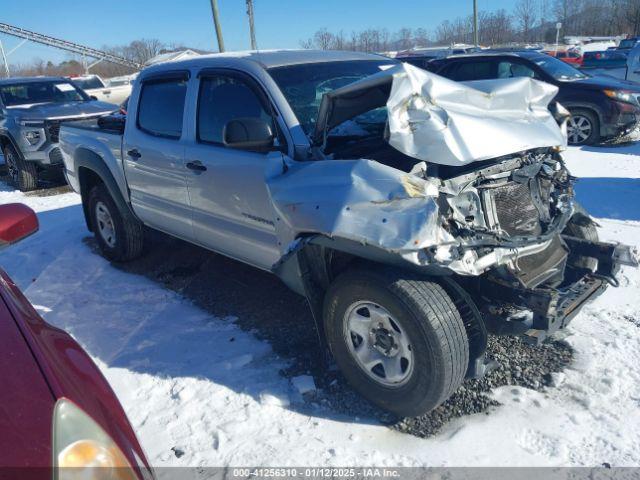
(384, 341)
(378, 343)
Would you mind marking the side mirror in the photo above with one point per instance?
(17, 221)
(93, 97)
(248, 134)
(115, 122)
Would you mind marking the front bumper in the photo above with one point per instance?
(48, 155)
(538, 312)
(623, 119)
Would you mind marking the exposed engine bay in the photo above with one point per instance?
(429, 189)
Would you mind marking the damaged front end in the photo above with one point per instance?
(467, 184)
(515, 249)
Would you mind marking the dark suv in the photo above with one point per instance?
(601, 107)
(31, 110)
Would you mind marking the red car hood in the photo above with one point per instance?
(58, 367)
(26, 402)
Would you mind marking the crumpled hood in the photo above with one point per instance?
(50, 111)
(440, 121)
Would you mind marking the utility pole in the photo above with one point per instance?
(252, 28)
(216, 22)
(475, 23)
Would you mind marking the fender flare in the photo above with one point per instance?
(87, 159)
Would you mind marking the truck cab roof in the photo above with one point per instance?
(267, 58)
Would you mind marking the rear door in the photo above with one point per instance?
(231, 207)
(153, 154)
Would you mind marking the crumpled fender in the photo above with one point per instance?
(358, 200)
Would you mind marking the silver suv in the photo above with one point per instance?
(31, 111)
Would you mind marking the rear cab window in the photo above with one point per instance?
(161, 106)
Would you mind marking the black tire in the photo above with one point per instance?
(590, 118)
(127, 240)
(22, 174)
(438, 339)
(581, 226)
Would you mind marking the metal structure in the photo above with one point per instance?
(76, 48)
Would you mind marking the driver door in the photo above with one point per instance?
(230, 205)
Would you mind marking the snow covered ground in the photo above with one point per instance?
(202, 392)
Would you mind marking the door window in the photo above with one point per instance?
(467, 71)
(222, 99)
(508, 69)
(161, 107)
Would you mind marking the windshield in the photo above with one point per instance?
(558, 69)
(88, 83)
(28, 93)
(629, 43)
(304, 85)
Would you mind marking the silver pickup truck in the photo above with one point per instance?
(416, 214)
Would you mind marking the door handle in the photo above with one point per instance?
(135, 154)
(196, 166)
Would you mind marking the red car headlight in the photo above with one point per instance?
(83, 450)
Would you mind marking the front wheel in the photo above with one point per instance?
(581, 226)
(398, 339)
(119, 235)
(22, 174)
(583, 127)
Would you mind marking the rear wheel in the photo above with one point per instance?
(118, 234)
(583, 127)
(22, 174)
(398, 339)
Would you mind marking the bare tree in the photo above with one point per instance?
(525, 14)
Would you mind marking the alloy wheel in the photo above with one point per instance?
(12, 167)
(378, 343)
(579, 129)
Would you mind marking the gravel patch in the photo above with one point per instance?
(260, 303)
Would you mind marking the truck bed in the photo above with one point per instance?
(91, 140)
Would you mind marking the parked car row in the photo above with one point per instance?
(113, 91)
(600, 107)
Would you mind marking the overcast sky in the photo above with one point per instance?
(279, 23)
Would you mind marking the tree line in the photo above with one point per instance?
(529, 21)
